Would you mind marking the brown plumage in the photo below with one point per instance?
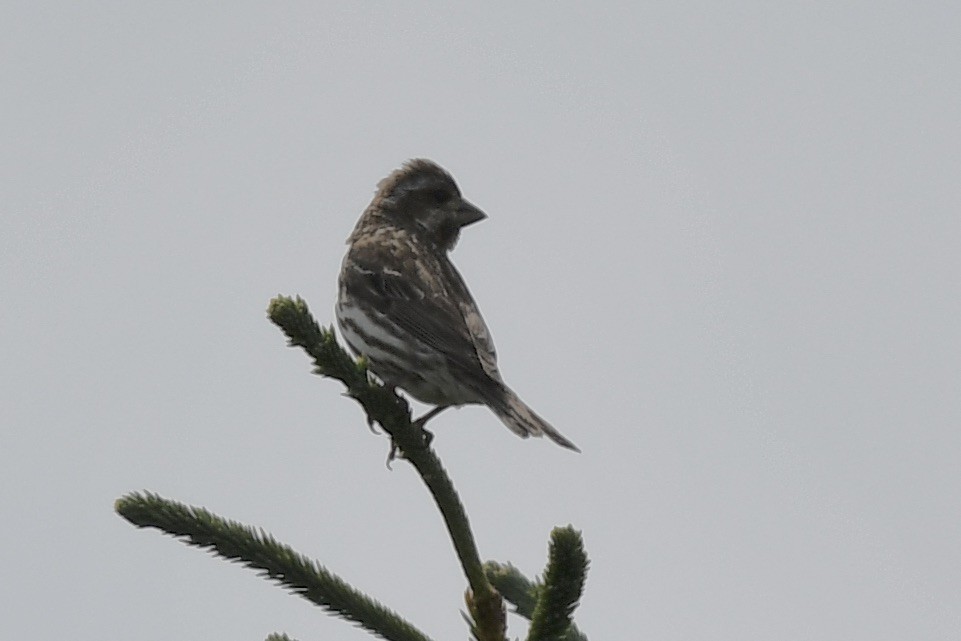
(404, 306)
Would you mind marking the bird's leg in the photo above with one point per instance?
(419, 423)
(429, 415)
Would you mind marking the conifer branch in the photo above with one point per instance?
(520, 591)
(563, 584)
(393, 413)
(549, 605)
(516, 588)
(260, 551)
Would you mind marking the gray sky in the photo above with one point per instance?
(722, 257)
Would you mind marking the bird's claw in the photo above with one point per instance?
(392, 454)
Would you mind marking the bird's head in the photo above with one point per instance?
(422, 197)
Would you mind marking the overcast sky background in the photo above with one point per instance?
(723, 257)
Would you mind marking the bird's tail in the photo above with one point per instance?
(522, 420)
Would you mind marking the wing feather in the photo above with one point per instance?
(432, 304)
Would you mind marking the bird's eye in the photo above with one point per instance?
(440, 196)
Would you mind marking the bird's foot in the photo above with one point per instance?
(392, 454)
(419, 423)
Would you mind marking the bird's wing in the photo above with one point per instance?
(428, 301)
(479, 334)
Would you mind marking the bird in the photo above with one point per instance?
(404, 307)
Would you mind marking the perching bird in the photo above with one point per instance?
(403, 305)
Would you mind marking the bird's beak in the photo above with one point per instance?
(468, 214)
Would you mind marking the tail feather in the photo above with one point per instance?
(523, 421)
